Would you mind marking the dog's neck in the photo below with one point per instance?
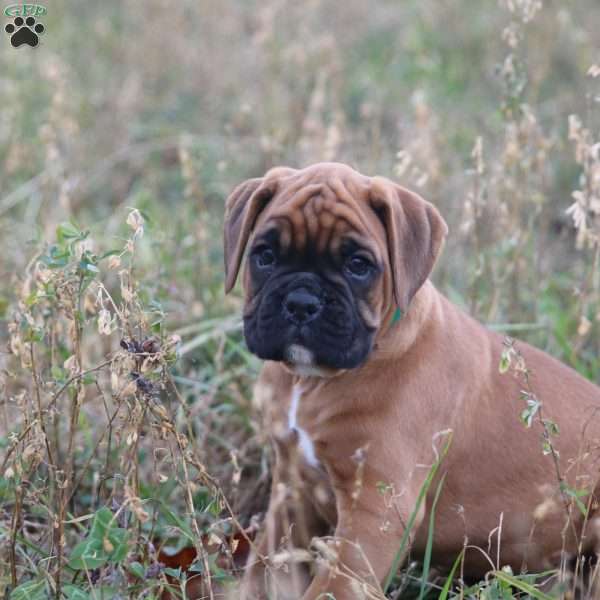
(398, 335)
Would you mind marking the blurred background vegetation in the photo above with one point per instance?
(487, 109)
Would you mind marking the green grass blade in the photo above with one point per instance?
(450, 578)
(411, 521)
(429, 547)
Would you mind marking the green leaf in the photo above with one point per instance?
(576, 495)
(546, 448)
(109, 253)
(533, 407)
(32, 590)
(105, 542)
(521, 585)
(87, 266)
(174, 520)
(56, 258)
(176, 573)
(197, 567)
(551, 427)
(58, 373)
(32, 299)
(102, 521)
(87, 555)
(118, 538)
(33, 334)
(136, 569)
(74, 593)
(383, 487)
(67, 231)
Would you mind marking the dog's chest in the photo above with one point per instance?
(304, 441)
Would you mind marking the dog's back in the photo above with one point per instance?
(524, 459)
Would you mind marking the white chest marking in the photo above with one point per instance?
(306, 444)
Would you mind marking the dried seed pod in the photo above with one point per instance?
(151, 345)
(144, 385)
(129, 345)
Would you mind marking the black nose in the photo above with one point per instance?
(301, 306)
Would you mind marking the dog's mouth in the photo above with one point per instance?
(298, 355)
(299, 360)
(307, 327)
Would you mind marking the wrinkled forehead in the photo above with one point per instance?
(322, 216)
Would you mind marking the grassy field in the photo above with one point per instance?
(130, 448)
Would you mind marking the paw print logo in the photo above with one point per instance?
(24, 31)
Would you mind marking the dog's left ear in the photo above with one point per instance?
(241, 211)
(242, 208)
(415, 233)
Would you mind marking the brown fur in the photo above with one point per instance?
(437, 369)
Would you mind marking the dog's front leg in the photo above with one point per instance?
(362, 552)
(291, 521)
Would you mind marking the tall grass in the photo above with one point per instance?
(133, 460)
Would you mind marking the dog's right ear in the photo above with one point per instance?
(242, 208)
(241, 211)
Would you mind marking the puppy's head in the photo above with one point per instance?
(331, 255)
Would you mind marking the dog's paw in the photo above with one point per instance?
(24, 31)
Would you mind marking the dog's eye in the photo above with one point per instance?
(265, 257)
(358, 266)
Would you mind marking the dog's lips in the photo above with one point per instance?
(298, 336)
(298, 355)
(300, 362)
(336, 338)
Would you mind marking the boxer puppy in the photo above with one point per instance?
(368, 368)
